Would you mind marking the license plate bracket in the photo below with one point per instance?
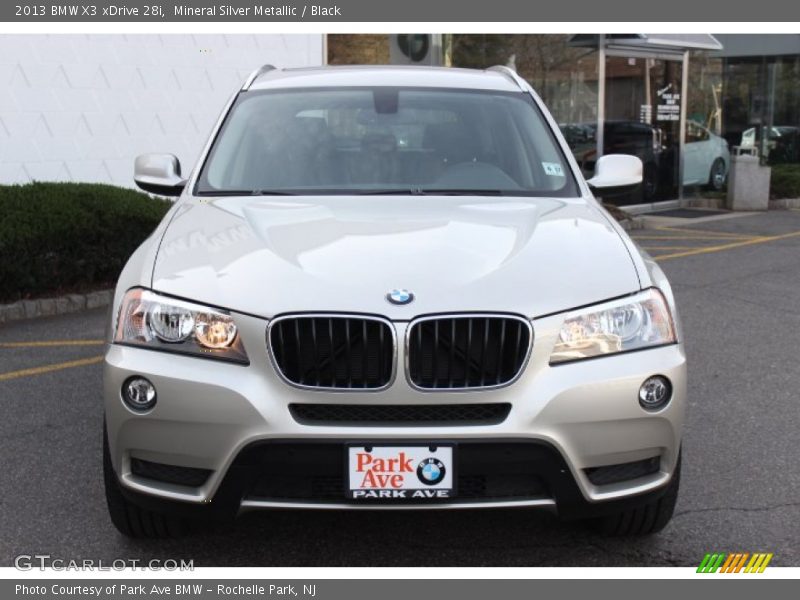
(398, 471)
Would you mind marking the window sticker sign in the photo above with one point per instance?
(669, 104)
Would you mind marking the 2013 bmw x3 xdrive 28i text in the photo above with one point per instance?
(389, 288)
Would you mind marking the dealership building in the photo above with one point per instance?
(79, 108)
(683, 103)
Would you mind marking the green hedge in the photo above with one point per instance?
(63, 237)
(785, 181)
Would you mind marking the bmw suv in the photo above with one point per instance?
(390, 288)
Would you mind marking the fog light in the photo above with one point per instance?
(655, 392)
(139, 394)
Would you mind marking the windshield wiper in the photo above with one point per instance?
(244, 193)
(458, 192)
(430, 192)
(387, 192)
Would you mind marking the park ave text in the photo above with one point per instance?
(178, 589)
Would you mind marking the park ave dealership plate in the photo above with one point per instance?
(400, 472)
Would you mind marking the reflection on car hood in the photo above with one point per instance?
(267, 256)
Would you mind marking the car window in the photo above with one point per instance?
(696, 133)
(371, 140)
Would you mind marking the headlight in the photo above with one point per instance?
(631, 323)
(154, 321)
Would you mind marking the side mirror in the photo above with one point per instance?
(616, 174)
(159, 174)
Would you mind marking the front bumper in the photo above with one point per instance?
(569, 418)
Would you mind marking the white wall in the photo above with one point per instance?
(81, 107)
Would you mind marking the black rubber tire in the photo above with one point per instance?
(649, 182)
(647, 519)
(133, 521)
(714, 183)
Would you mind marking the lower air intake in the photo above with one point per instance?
(400, 414)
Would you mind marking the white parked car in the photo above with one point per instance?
(387, 288)
(781, 144)
(749, 136)
(706, 157)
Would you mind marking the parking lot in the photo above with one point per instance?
(737, 282)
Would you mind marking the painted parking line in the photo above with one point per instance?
(649, 248)
(52, 343)
(698, 238)
(667, 243)
(70, 364)
(730, 246)
(706, 232)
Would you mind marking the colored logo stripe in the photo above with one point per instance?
(711, 562)
(734, 562)
(758, 563)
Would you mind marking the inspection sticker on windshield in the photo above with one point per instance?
(397, 472)
(553, 169)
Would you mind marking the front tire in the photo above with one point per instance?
(717, 175)
(647, 519)
(131, 520)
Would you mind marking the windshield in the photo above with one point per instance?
(385, 140)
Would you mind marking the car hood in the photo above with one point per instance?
(266, 256)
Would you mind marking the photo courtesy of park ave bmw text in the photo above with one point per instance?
(291, 287)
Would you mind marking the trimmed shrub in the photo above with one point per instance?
(63, 237)
(785, 181)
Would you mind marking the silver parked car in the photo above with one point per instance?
(390, 288)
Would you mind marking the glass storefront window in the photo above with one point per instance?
(642, 117)
(784, 97)
(704, 102)
(743, 104)
(762, 106)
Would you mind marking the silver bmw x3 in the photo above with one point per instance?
(390, 288)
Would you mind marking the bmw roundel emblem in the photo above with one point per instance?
(400, 296)
(431, 471)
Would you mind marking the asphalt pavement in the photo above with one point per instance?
(737, 282)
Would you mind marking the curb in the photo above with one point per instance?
(47, 307)
(628, 221)
(784, 203)
(633, 224)
(709, 203)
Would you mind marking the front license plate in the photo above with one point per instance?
(400, 472)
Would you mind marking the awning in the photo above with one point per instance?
(655, 41)
(745, 45)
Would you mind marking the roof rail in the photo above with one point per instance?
(510, 74)
(255, 75)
